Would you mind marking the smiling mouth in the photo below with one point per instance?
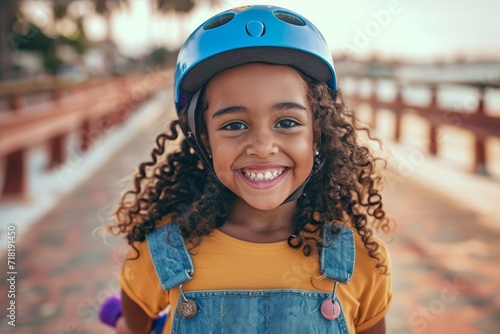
(263, 175)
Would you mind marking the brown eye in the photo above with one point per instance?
(286, 123)
(234, 126)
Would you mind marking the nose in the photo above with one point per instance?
(262, 143)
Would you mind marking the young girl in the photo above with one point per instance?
(259, 221)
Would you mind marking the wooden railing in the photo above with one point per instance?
(89, 109)
(478, 122)
(17, 95)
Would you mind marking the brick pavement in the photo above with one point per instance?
(445, 262)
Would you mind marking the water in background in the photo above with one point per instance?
(458, 93)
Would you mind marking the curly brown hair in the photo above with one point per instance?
(344, 190)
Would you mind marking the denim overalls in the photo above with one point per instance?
(251, 311)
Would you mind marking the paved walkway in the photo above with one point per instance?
(65, 267)
(445, 261)
(445, 266)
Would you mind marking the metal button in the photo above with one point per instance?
(330, 310)
(187, 308)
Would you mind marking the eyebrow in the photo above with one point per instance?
(288, 106)
(277, 106)
(229, 110)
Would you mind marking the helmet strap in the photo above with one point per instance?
(297, 192)
(193, 137)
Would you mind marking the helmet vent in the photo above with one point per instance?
(219, 21)
(289, 17)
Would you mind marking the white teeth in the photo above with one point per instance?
(261, 176)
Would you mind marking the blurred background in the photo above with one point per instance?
(86, 87)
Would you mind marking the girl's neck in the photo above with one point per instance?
(253, 225)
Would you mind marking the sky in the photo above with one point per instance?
(415, 29)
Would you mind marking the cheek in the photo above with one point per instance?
(302, 150)
(223, 157)
(307, 160)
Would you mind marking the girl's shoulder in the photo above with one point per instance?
(362, 251)
(140, 250)
(368, 267)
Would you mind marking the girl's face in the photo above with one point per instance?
(260, 132)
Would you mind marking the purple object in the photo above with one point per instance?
(159, 323)
(111, 310)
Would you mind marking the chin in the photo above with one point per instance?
(264, 205)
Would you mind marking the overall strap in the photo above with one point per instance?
(337, 260)
(170, 256)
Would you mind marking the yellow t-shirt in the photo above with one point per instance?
(222, 262)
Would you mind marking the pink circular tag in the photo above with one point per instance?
(329, 310)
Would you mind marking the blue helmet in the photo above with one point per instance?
(248, 34)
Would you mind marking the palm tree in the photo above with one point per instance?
(178, 6)
(105, 9)
(9, 10)
(181, 8)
